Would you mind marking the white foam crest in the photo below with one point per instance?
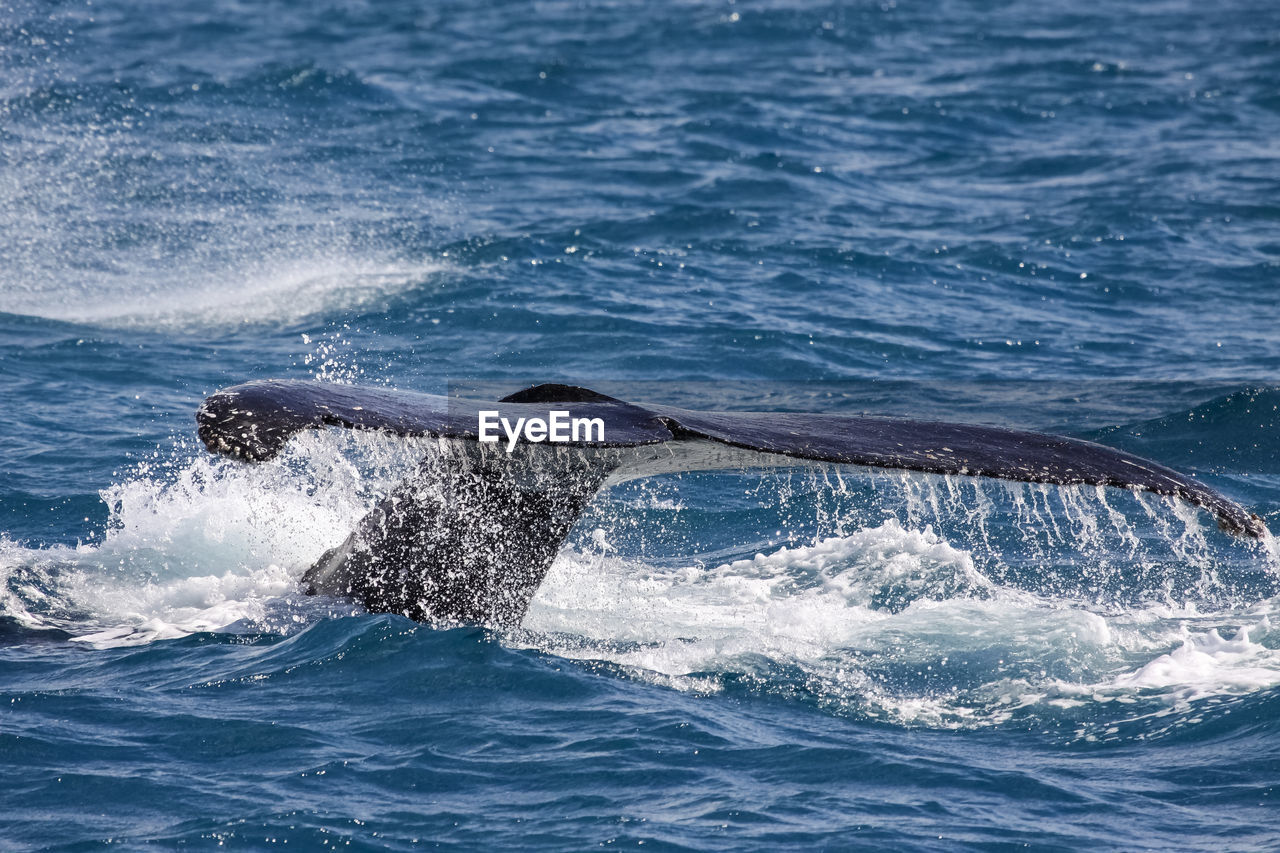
(807, 595)
(1205, 663)
(889, 560)
(801, 607)
(163, 611)
(210, 545)
(952, 650)
(1213, 661)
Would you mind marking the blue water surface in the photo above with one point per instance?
(1054, 217)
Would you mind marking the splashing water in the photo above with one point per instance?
(968, 603)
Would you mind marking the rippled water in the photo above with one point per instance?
(992, 212)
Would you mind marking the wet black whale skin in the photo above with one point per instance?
(470, 535)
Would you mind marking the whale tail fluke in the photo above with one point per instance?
(471, 534)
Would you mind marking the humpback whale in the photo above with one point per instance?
(470, 535)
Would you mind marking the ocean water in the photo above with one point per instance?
(1000, 212)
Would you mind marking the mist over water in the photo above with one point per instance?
(1054, 220)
